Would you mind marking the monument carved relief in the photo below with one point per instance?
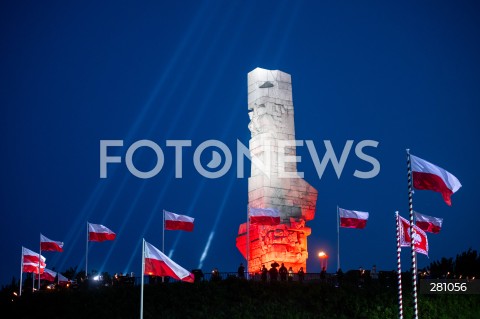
(276, 185)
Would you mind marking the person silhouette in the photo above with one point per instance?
(264, 273)
(273, 271)
(215, 275)
(301, 274)
(283, 272)
(290, 274)
(323, 274)
(241, 271)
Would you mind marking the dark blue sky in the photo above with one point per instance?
(406, 75)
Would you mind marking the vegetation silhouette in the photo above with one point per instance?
(230, 297)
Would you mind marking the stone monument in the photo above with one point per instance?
(277, 184)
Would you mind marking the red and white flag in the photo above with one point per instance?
(178, 222)
(427, 176)
(50, 245)
(264, 216)
(428, 223)
(421, 240)
(352, 218)
(48, 275)
(31, 267)
(98, 232)
(62, 280)
(158, 264)
(30, 261)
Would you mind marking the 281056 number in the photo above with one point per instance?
(448, 287)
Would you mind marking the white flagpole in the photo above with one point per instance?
(39, 257)
(163, 238)
(412, 236)
(248, 241)
(142, 279)
(399, 269)
(338, 239)
(21, 273)
(163, 232)
(86, 257)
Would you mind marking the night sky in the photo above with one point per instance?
(406, 75)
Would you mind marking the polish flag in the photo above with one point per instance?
(352, 218)
(30, 261)
(428, 223)
(48, 275)
(98, 232)
(158, 264)
(264, 216)
(32, 257)
(427, 176)
(421, 240)
(62, 280)
(50, 245)
(178, 222)
(32, 267)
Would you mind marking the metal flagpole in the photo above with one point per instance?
(86, 257)
(412, 236)
(39, 257)
(399, 269)
(21, 274)
(163, 238)
(142, 279)
(338, 239)
(163, 232)
(248, 242)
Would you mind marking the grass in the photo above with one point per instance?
(232, 298)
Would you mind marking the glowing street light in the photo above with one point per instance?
(323, 259)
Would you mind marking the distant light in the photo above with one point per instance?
(322, 254)
(97, 278)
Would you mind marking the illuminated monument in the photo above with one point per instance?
(270, 107)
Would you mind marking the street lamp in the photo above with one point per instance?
(323, 260)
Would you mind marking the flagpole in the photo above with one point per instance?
(412, 236)
(86, 257)
(163, 232)
(142, 279)
(163, 238)
(39, 257)
(248, 242)
(21, 274)
(338, 240)
(399, 269)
